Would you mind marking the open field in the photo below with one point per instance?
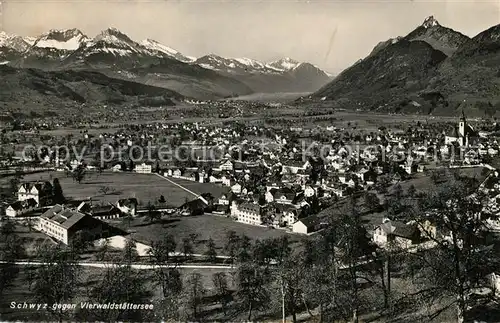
(206, 226)
(145, 187)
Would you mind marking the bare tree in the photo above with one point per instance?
(195, 291)
(211, 252)
(11, 249)
(161, 250)
(117, 284)
(129, 253)
(56, 281)
(461, 258)
(152, 214)
(104, 190)
(222, 289)
(187, 248)
(79, 174)
(231, 245)
(252, 288)
(103, 250)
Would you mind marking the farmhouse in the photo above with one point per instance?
(221, 209)
(404, 235)
(225, 199)
(236, 188)
(41, 192)
(286, 215)
(62, 224)
(143, 169)
(285, 196)
(127, 206)
(294, 166)
(194, 207)
(309, 191)
(250, 213)
(226, 165)
(101, 212)
(308, 225)
(19, 208)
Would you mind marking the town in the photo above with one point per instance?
(206, 184)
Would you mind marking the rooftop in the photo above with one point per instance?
(64, 217)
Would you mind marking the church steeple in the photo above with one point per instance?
(461, 124)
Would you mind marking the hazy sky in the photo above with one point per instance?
(331, 34)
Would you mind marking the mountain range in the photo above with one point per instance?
(149, 62)
(433, 69)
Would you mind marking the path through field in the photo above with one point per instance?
(182, 187)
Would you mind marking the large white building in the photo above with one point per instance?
(143, 169)
(249, 213)
(63, 223)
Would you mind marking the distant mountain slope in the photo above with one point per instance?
(303, 78)
(37, 90)
(433, 67)
(187, 79)
(236, 66)
(390, 74)
(284, 75)
(383, 44)
(473, 71)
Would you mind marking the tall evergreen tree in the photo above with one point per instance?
(58, 192)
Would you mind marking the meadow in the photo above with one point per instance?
(204, 226)
(144, 187)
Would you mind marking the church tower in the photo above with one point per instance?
(461, 125)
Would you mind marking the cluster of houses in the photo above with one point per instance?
(35, 201)
(293, 176)
(30, 196)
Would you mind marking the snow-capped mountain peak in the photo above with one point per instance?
(157, 46)
(65, 39)
(17, 43)
(30, 40)
(285, 64)
(247, 65)
(151, 43)
(113, 35)
(430, 22)
(250, 62)
(115, 42)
